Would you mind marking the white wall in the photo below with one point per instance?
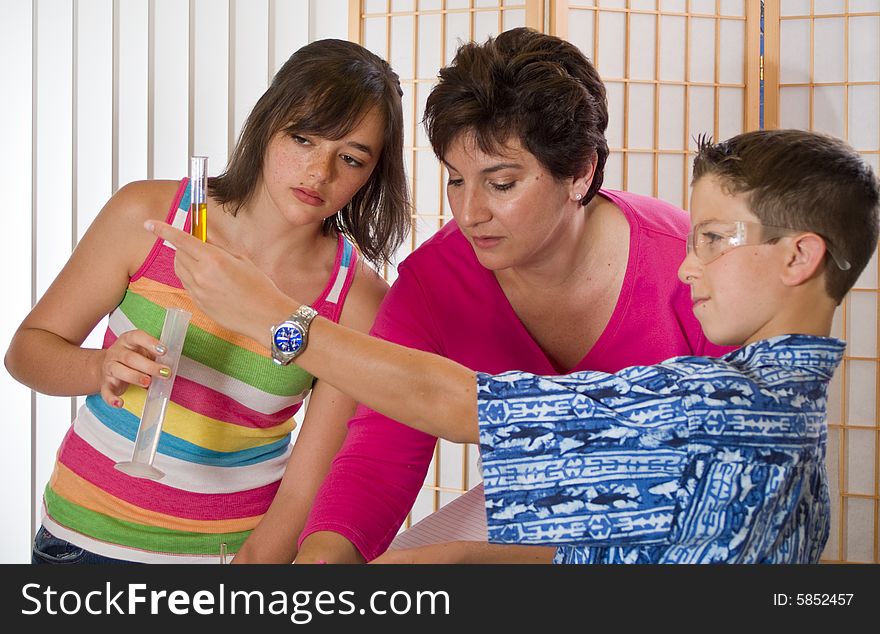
(94, 94)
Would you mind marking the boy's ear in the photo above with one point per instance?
(806, 259)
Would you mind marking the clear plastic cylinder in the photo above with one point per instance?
(158, 396)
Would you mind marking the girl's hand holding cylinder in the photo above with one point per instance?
(158, 397)
(131, 360)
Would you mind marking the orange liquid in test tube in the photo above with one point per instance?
(198, 174)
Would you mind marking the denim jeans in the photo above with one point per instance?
(49, 549)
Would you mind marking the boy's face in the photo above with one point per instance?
(734, 284)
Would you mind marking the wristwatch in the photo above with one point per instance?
(289, 338)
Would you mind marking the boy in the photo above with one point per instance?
(691, 460)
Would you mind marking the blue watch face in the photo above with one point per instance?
(288, 339)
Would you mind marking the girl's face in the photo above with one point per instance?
(508, 206)
(309, 178)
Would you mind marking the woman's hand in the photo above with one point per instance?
(229, 288)
(130, 360)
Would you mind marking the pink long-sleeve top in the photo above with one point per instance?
(445, 302)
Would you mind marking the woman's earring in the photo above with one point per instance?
(578, 196)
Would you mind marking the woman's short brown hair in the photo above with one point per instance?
(528, 86)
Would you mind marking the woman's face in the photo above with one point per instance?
(309, 177)
(508, 206)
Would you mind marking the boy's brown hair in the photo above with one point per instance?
(805, 181)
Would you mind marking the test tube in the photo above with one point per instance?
(198, 176)
(158, 395)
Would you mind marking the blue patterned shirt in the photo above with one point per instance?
(693, 460)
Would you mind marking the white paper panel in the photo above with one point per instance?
(733, 7)
(828, 6)
(643, 33)
(864, 48)
(375, 36)
(828, 58)
(513, 18)
(794, 53)
(613, 171)
(860, 457)
(131, 91)
(430, 59)
(402, 45)
(702, 50)
(54, 191)
(614, 93)
(828, 110)
(832, 461)
(210, 83)
(702, 117)
(864, 121)
(451, 462)
(251, 58)
(732, 37)
(580, 30)
(670, 178)
(486, 24)
(640, 173)
(671, 132)
(15, 168)
(94, 110)
(458, 29)
(860, 530)
(673, 30)
(730, 112)
(407, 107)
(612, 45)
(794, 107)
(427, 194)
(703, 6)
(647, 5)
(170, 52)
(868, 278)
(640, 118)
(290, 30)
(862, 323)
(794, 7)
(861, 391)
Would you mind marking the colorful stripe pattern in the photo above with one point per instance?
(224, 443)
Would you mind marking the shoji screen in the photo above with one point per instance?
(823, 73)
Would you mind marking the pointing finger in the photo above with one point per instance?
(181, 240)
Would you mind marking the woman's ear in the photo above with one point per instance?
(581, 183)
(804, 259)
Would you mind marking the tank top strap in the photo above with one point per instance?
(333, 299)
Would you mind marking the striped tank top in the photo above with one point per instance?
(224, 443)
